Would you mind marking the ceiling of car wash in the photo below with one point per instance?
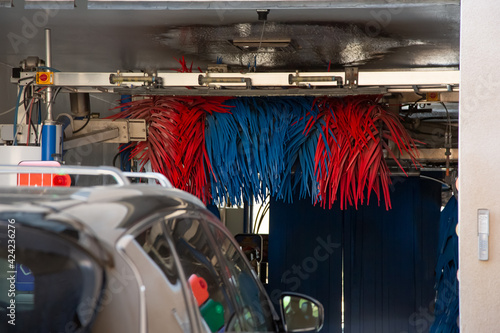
(111, 35)
(297, 35)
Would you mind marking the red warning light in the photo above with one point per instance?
(61, 180)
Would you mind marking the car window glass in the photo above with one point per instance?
(173, 297)
(202, 268)
(154, 242)
(257, 313)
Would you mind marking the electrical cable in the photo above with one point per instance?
(261, 35)
(26, 97)
(260, 43)
(15, 116)
(23, 118)
(35, 98)
(14, 107)
(86, 123)
(436, 180)
(8, 111)
(30, 123)
(414, 105)
(55, 95)
(258, 212)
(447, 141)
(115, 158)
(436, 118)
(264, 212)
(256, 217)
(25, 78)
(447, 115)
(39, 120)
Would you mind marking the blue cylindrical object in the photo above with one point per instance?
(49, 138)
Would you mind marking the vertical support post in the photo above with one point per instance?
(248, 216)
(49, 129)
(48, 62)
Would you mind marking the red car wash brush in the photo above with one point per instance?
(349, 160)
(175, 143)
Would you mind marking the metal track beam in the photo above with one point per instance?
(433, 155)
(93, 137)
(252, 92)
(423, 80)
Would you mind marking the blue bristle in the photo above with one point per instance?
(254, 150)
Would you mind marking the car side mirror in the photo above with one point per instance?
(301, 313)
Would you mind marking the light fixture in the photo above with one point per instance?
(263, 14)
(255, 42)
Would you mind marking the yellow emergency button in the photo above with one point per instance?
(432, 97)
(43, 78)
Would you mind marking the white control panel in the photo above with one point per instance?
(483, 232)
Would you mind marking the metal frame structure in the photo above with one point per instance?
(349, 82)
(406, 84)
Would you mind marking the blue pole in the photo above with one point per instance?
(49, 137)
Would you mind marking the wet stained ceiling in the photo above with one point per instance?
(314, 46)
(298, 35)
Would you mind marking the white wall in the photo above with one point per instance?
(479, 163)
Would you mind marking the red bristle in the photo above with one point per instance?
(175, 144)
(356, 165)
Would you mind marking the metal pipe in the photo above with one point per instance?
(422, 90)
(207, 80)
(113, 79)
(297, 79)
(410, 173)
(48, 62)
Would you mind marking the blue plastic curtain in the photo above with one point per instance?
(446, 309)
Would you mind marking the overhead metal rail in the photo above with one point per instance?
(155, 176)
(117, 175)
(254, 83)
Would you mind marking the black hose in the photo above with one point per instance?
(85, 125)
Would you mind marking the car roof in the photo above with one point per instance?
(106, 211)
(60, 197)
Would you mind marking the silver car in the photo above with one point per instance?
(129, 258)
